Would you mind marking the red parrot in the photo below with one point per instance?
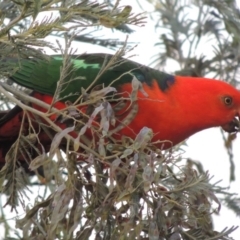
(174, 107)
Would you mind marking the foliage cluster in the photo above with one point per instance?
(111, 189)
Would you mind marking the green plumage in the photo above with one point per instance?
(42, 75)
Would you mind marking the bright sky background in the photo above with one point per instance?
(206, 146)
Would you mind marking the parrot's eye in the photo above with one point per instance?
(228, 100)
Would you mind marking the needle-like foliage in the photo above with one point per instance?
(105, 188)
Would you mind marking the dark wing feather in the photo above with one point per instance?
(43, 75)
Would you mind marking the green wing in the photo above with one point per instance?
(43, 75)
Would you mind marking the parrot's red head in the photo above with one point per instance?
(231, 109)
(215, 103)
